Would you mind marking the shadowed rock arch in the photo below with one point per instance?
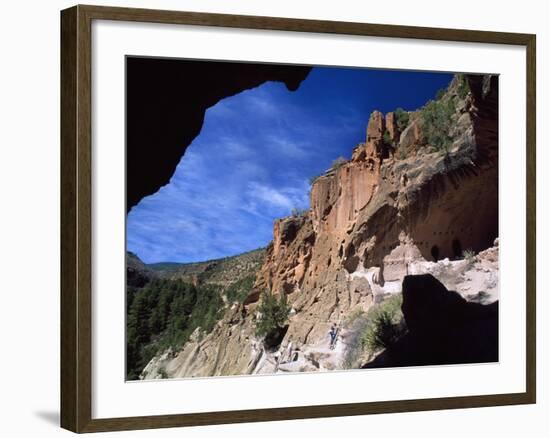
(165, 104)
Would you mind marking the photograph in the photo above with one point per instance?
(274, 218)
(294, 218)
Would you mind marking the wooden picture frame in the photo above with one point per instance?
(76, 218)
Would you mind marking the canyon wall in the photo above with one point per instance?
(377, 211)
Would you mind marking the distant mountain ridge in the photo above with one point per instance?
(223, 271)
(137, 273)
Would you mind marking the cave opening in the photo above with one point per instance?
(273, 339)
(435, 252)
(457, 248)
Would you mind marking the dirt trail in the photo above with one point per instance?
(307, 357)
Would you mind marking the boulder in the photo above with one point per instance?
(443, 328)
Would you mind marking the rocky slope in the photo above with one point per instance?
(404, 204)
(137, 272)
(221, 271)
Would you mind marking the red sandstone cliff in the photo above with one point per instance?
(366, 209)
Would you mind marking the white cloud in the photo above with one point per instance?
(284, 145)
(269, 195)
(283, 199)
(235, 147)
(263, 104)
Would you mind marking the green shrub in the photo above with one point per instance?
(401, 118)
(385, 324)
(240, 289)
(369, 332)
(437, 122)
(440, 93)
(382, 332)
(391, 304)
(273, 313)
(469, 255)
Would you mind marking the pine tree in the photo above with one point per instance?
(274, 313)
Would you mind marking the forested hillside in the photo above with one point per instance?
(167, 302)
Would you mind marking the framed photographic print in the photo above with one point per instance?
(268, 218)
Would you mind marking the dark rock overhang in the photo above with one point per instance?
(166, 100)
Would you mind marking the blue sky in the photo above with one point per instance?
(251, 162)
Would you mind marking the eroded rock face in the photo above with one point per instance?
(166, 102)
(412, 137)
(391, 127)
(375, 128)
(372, 221)
(375, 149)
(386, 212)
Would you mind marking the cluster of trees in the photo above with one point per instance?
(240, 289)
(273, 314)
(437, 123)
(164, 313)
(401, 118)
(437, 116)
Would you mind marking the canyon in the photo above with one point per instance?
(402, 216)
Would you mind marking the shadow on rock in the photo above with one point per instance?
(443, 328)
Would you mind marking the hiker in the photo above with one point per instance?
(289, 352)
(333, 332)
